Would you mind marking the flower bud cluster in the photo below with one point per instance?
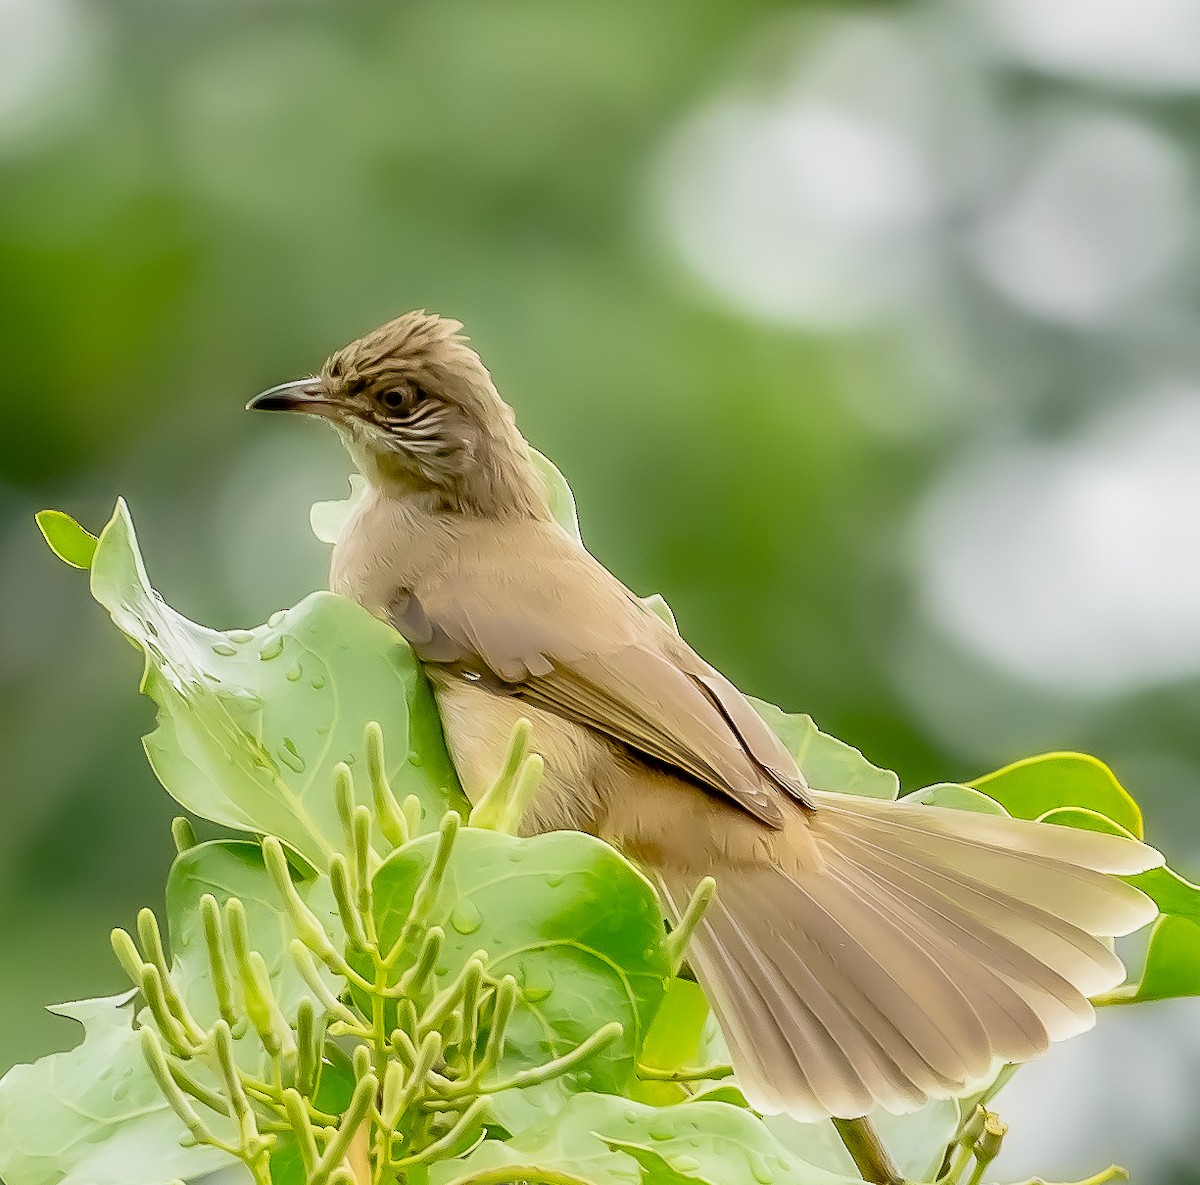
(421, 1056)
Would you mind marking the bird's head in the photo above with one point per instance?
(421, 417)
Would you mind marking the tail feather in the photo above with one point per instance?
(931, 947)
(1085, 895)
(1001, 968)
(997, 928)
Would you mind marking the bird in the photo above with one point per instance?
(860, 953)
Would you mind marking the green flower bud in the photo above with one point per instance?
(183, 834)
(306, 924)
(156, 1060)
(343, 895)
(681, 935)
(302, 1128)
(392, 822)
(164, 1017)
(214, 942)
(128, 955)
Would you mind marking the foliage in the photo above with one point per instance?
(371, 989)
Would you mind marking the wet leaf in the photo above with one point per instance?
(252, 722)
(916, 1141)
(93, 1115)
(570, 919)
(611, 1141)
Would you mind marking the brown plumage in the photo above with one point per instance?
(859, 952)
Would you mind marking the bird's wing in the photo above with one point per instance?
(578, 644)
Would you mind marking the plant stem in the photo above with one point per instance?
(700, 1074)
(871, 1158)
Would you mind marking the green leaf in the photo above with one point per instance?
(826, 762)
(67, 539)
(656, 1168)
(956, 797)
(608, 1140)
(657, 605)
(328, 519)
(251, 723)
(558, 495)
(234, 868)
(675, 1042)
(1028, 789)
(93, 1115)
(1172, 961)
(917, 1141)
(287, 1163)
(576, 925)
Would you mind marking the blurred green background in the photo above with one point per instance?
(864, 333)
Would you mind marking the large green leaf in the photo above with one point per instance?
(1172, 966)
(611, 1141)
(1028, 789)
(575, 924)
(955, 797)
(826, 762)
(93, 1115)
(558, 494)
(252, 722)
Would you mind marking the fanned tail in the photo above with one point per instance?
(930, 947)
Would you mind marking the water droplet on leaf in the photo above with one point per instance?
(241, 637)
(318, 683)
(761, 1171)
(295, 674)
(536, 985)
(224, 649)
(276, 618)
(290, 756)
(273, 649)
(661, 1131)
(465, 918)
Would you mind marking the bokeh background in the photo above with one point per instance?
(865, 333)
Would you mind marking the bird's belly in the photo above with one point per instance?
(478, 725)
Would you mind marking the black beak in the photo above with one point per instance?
(299, 395)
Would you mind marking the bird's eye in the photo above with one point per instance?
(394, 400)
